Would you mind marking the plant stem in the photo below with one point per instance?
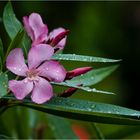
(98, 131)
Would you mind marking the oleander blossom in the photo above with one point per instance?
(37, 75)
(38, 32)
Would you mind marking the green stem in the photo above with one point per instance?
(98, 132)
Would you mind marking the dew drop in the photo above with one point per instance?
(92, 78)
(5, 86)
(93, 106)
(89, 109)
(25, 81)
(90, 59)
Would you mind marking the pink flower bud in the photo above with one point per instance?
(77, 72)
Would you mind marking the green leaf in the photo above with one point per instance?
(92, 77)
(26, 44)
(61, 127)
(13, 27)
(74, 57)
(88, 89)
(3, 84)
(1, 50)
(16, 42)
(98, 131)
(11, 23)
(1, 55)
(4, 137)
(85, 110)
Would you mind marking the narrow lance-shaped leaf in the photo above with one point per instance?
(5, 137)
(12, 25)
(16, 42)
(25, 44)
(1, 55)
(74, 57)
(61, 127)
(92, 77)
(1, 50)
(3, 84)
(88, 89)
(85, 110)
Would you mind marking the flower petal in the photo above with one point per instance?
(39, 28)
(38, 54)
(55, 33)
(15, 62)
(53, 71)
(42, 91)
(28, 27)
(20, 88)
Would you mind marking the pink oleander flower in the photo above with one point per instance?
(39, 72)
(38, 32)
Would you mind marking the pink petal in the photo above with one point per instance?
(15, 62)
(39, 28)
(38, 54)
(53, 71)
(42, 91)
(20, 88)
(55, 33)
(28, 27)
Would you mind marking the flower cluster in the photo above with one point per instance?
(41, 69)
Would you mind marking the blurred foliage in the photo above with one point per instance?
(107, 29)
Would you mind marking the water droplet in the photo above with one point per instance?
(89, 109)
(93, 106)
(47, 68)
(25, 81)
(19, 69)
(90, 59)
(92, 78)
(5, 86)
